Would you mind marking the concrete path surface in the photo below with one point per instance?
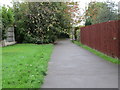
(74, 67)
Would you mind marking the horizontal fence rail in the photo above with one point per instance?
(104, 37)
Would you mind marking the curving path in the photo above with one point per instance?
(74, 67)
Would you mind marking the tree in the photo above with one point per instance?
(40, 22)
(118, 10)
(0, 23)
(75, 12)
(98, 12)
(92, 11)
(107, 13)
(88, 22)
(7, 20)
(21, 11)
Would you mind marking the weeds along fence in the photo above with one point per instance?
(104, 37)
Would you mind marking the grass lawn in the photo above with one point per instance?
(105, 57)
(25, 65)
(0, 68)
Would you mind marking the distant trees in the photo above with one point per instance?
(98, 12)
(40, 22)
(107, 13)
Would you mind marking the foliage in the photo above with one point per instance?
(63, 35)
(41, 22)
(119, 10)
(7, 20)
(107, 13)
(21, 10)
(0, 23)
(23, 66)
(76, 33)
(88, 22)
(105, 57)
(75, 12)
(98, 12)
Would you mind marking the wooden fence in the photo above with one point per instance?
(104, 37)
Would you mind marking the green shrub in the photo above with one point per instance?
(40, 22)
(7, 20)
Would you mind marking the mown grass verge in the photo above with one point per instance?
(0, 68)
(25, 65)
(105, 57)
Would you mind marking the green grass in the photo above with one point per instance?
(25, 65)
(105, 57)
(0, 68)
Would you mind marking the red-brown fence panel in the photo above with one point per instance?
(104, 37)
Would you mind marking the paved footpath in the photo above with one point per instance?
(74, 67)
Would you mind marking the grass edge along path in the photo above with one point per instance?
(101, 55)
(0, 68)
(25, 65)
